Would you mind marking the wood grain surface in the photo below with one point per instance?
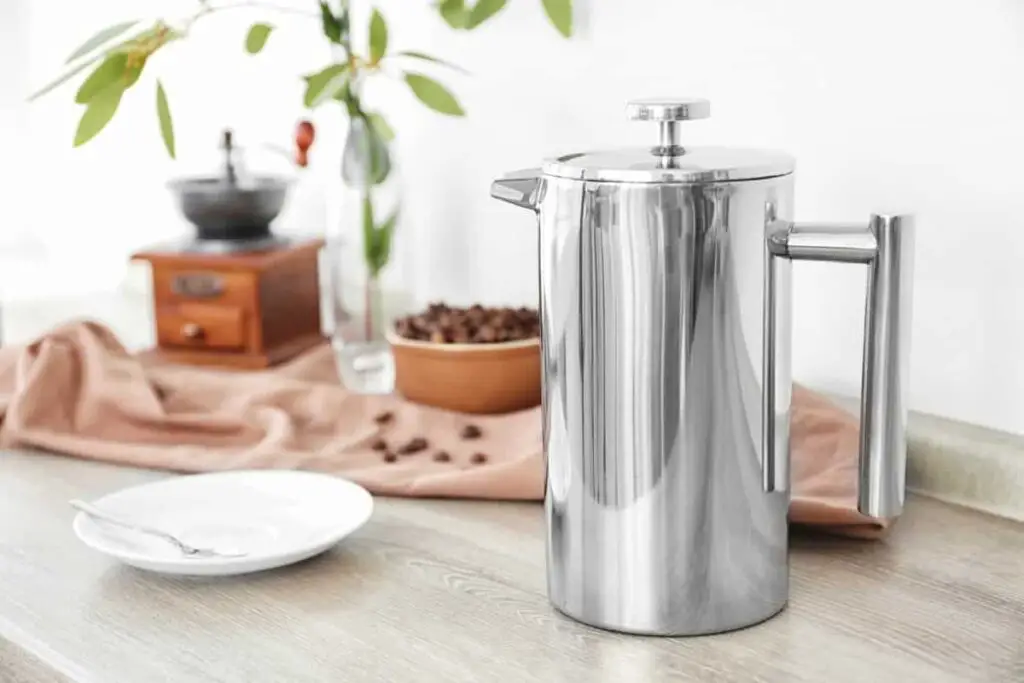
(18, 666)
(454, 591)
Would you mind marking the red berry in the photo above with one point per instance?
(305, 133)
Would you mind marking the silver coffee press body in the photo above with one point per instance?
(665, 314)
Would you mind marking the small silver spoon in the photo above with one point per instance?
(185, 549)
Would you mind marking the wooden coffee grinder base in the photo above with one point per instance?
(247, 310)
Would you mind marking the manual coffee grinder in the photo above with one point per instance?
(233, 293)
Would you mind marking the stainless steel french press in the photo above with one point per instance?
(665, 308)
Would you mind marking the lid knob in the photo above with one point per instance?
(665, 109)
(668, 112)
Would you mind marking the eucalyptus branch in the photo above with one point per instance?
(117, 54)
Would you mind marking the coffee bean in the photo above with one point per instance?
(478, 459)
(413, 446)
(384, 417)
(390, 457)
(486, 334)
(442, 456)
(160, 392)
(471, 432)
(379, 445)
(442, 324)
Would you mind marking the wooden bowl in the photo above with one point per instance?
(468, 378)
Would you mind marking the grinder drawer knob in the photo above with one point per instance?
(191, 331)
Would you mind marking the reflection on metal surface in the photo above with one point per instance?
(665, 331)
(520, 188)
(651, 319)
(775, 358)
(886, 244)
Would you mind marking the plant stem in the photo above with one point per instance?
(257, 4)
(368, 313)
(206, 8)
(276, 8)
(352, 100)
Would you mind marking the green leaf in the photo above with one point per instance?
(332, 26)
(484, 10)
(380, 159)
(163, 113)
(454, 12)
(378, 37)
(369, 238)
(132, 77)
(112, 69)
(98, 113)
(325, 84)
(365, 160)
(428, 58)
(380, 125)
(434, 95)
(65, 77)
(382, 243)
(343, 95)
(101, 38)
(145, 43)
(257, 37)
(560, 14)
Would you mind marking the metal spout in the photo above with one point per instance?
(520, 188)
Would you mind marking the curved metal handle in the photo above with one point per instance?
(886, 245)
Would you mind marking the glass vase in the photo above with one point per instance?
(361, 317)
(367, 293)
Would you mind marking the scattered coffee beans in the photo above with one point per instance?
(442, 456)
(390, 457)
(478, 459)
(441, 323)
(471, 432)
(160, 392)
(413, 446)
(379, 445)
(384, 418)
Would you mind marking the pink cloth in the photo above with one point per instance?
(77, 391)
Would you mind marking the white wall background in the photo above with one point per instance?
(916, 104)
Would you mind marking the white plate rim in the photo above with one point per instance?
(314, 547)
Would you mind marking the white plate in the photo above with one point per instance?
(276, 517)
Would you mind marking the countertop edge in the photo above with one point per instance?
(967, 465)
(963, 464)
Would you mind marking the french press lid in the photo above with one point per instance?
(670, 161)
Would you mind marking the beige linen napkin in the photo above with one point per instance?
(77, 391)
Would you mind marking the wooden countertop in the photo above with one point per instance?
(454, 591)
